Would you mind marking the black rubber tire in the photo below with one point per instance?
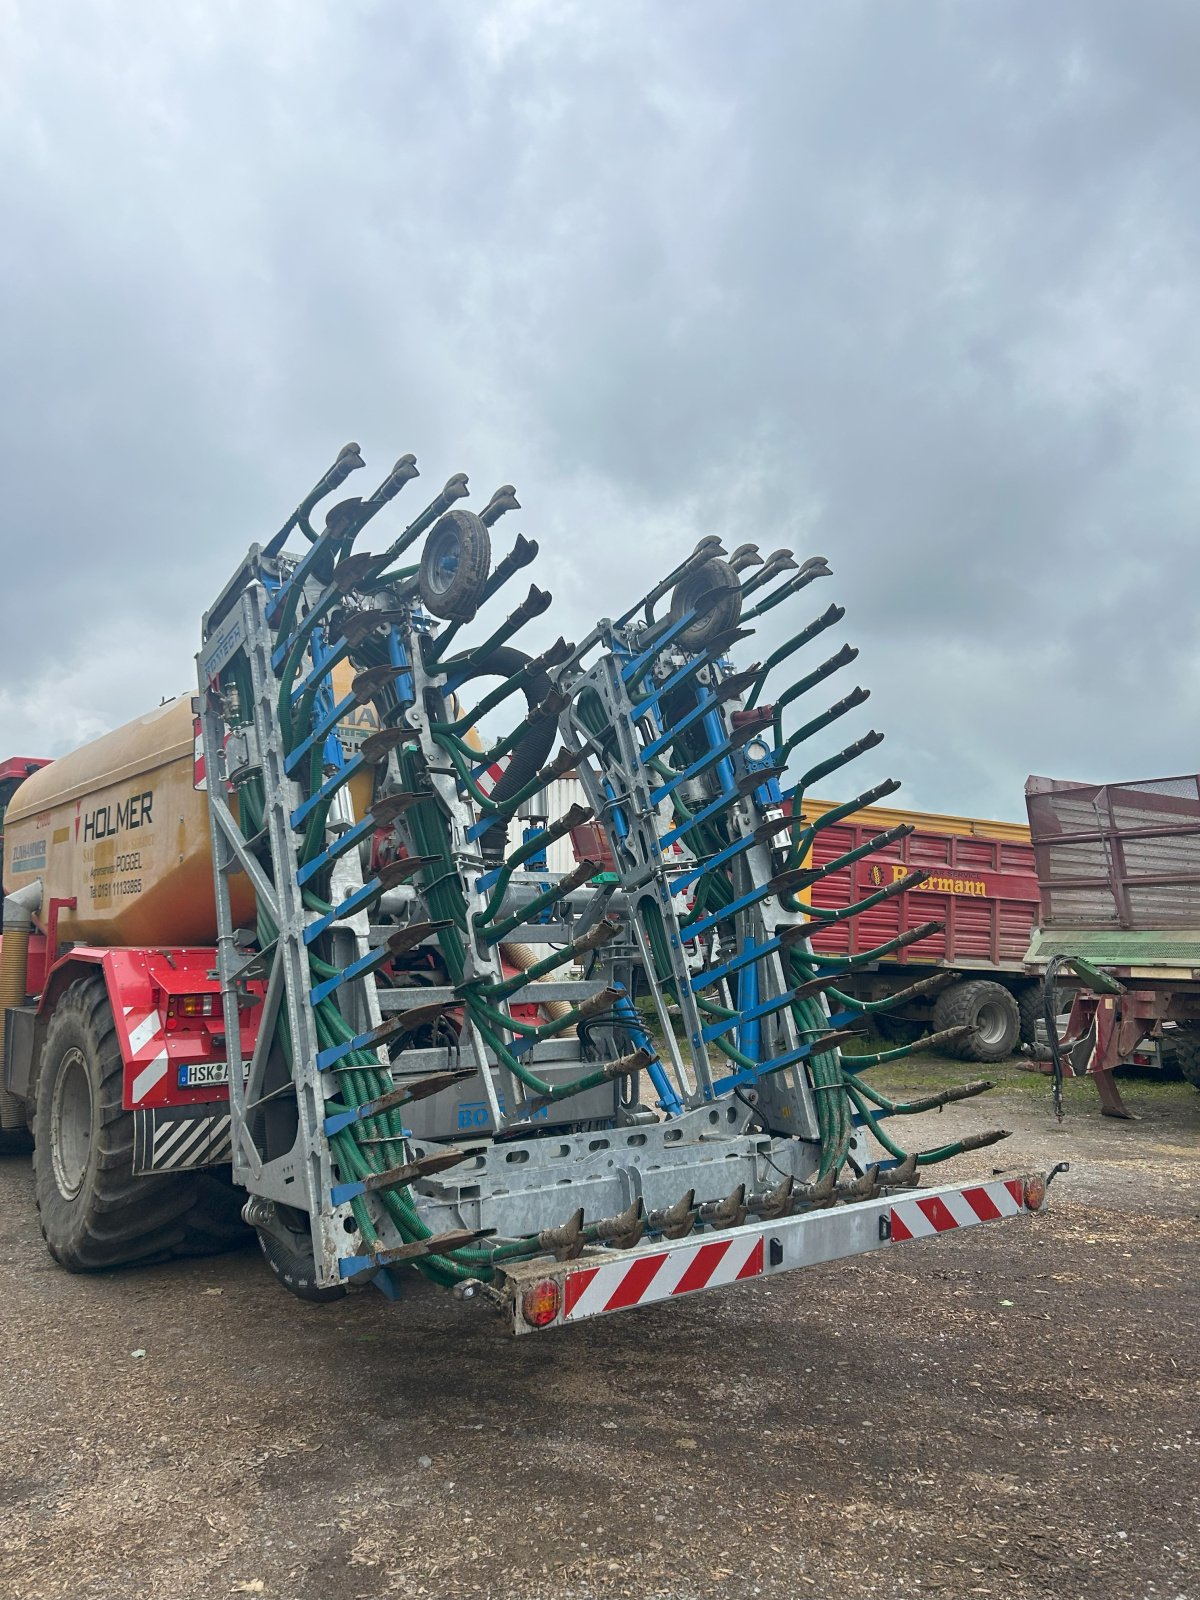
(454, 565)
(1031, 1009)
(107, 1218)
(214, 1223)
(1181, 1047)
(1035, 1037)
(273, 1129)
(988, 1007)
(294, 1265)
(717, 586)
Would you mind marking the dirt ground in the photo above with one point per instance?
(1008, 1412)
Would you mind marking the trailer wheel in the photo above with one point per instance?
(454, 566)
(292, 1261)
(987, 1007)
(714, 591)
(532, 750)
(1182, 1048)
(284, 1233)
(1031, 1007)
(94, 1213)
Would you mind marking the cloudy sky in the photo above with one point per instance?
(912, 286)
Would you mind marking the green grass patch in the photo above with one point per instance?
(928, 1070)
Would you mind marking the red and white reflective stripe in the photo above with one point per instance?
(199, 764)
(145, 1040)
(199, 772)
(488, 780)
(642, 1279)
(600, 1283)
(923, 1216)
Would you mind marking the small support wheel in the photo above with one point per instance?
(454, 566)
(286, 1243)
(714, 592)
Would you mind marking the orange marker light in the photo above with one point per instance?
(539, 1305)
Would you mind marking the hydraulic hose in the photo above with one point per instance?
(1050, 1018)
(522, 957)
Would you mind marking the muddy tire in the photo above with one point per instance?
(1181, 1047)
(714, 592)
(987, 1007)
(454, 566)
(94, 1213)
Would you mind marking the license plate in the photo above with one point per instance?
(207, 1074)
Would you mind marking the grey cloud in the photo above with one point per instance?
(915, 287)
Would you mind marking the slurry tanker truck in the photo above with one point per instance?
(274, 956)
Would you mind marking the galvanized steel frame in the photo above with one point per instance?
(498, 1188)
(302, 1177)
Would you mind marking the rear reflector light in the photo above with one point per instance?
(192, 1005)
(539, 1305)
(1035, 1193)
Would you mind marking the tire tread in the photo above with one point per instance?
(959, 1005)
(127, 1219)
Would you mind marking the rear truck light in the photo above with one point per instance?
(187, 1008)
(194, 1005)
(540, 1304)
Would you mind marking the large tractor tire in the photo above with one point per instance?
(94, 1213)
(1181, 1047)
(896, 1031)
(987, 1007)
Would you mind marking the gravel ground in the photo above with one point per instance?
(1010, 1412)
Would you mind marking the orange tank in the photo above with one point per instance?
(119, 826)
